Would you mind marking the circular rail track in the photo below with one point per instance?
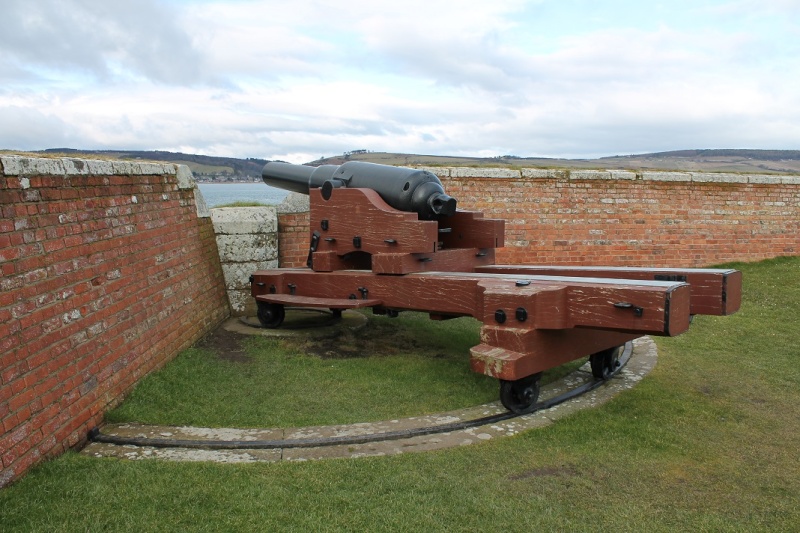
(576, 391)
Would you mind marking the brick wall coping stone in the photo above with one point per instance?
(13, 165)
(580, 174)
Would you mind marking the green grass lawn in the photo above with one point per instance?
(707, 442)
(392, 368)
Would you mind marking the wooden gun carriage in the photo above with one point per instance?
(390, 239)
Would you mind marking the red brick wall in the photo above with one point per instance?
(625, 218)
(104, 279)
(636, 222)
(293, 239)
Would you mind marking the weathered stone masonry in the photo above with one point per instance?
(247, 241)
(109, 269)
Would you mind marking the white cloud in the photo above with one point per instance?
(24, 128)
(308, 78)
(104, 39)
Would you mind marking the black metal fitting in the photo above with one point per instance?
(637, 311)
(500, 316)
(521, 314)
(312, 248)
(669, 277)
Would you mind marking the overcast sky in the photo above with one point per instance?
(300, 79)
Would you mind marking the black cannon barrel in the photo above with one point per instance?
(406, 189)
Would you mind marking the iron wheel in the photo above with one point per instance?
(604, 363)
(270, 315)
(520, 396)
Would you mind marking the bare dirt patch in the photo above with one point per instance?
(374, 340)
(226, 345)
(326, 339)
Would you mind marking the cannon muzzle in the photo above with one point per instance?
(406, 189)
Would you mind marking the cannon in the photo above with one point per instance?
(405, 189)
(390, 239)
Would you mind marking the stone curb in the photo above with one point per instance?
(65, 166)
(590, 174)
(642, 361)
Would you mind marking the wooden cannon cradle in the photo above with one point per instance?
(365, 253)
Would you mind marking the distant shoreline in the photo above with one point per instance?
(225, 193)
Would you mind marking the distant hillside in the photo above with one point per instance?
(229, 169)
(762, 161)
(774, 155)
(745, 161)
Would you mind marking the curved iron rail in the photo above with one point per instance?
(96, 435)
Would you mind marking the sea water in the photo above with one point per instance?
(216, 194)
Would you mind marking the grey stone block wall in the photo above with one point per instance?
(247, 239)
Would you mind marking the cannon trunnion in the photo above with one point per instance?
(390, 239)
